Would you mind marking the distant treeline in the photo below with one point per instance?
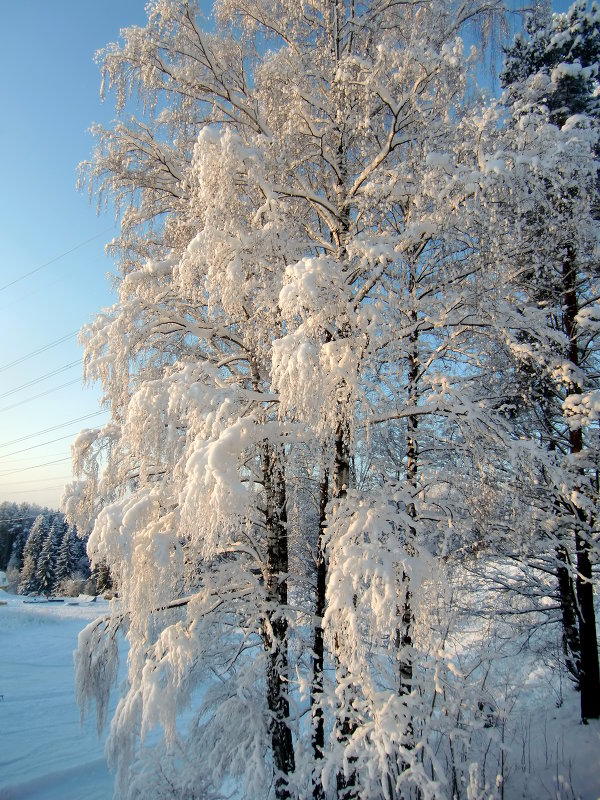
(42, 554)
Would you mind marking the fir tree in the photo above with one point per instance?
(45, 568)
(15, 522)
(67, 558)
(550, 80)
(555, 62)
(16, 555)
(31, 554)
(101, 577)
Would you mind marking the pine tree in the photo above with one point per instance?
(550, 81)
(555, 63)
(66, 559)
(46, 564)
(7, 532)
(31, 555)
(101, 577)
(15, 522)
(16, 555)
(80, 557)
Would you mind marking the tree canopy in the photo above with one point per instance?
(333, 316)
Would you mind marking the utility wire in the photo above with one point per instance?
(39, 480)
(39, 489)
(55, 259)
(41, 394)
(34, 446)
(42, 378)
(15, 463)
(53, 428)
(38, 351)
(35, 466)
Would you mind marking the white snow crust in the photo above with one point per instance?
(45, 754)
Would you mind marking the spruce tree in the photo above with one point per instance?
(563, 49)
(101, 577)
(18, 546)
(31, 553)
(550, 78)
(45, 568)
(65, 560)
(15, 522)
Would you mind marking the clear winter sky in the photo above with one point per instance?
(49, 97)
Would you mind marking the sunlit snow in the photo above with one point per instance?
(45, 754)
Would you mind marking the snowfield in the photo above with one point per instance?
(551, 755)
(45, 754)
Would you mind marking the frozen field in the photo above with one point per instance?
(46, 755)
(44, 752)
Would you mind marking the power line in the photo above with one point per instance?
(39, 480)
(38, 351)
(42, 378)
(31, 491)
(35, 466)
(41, 394)
(16, 463)
(53, 260)
(53, 428)
(34, 446)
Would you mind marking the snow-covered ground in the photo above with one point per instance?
(45, 754)
(551, 755)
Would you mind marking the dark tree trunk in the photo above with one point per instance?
(589, 676)
(346, 725)
(590, 672)
(568, 606)
(564, 571)
(318, 735)
(404, 640)
(276, 626)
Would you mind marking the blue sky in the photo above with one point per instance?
(49, 97)
(49, 93)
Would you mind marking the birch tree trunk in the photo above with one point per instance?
(276, 625)
(318, 731)
(345, 724)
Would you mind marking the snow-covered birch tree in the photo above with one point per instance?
(296, 272)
